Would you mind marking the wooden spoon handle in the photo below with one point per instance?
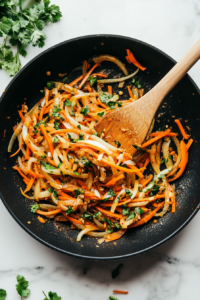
(159, 92)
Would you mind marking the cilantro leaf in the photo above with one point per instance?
(68, 103)
(111, 193)
(34, 207)
(22, 286)
(128, 192)
(136, 147)
(117, 143)
(64, 79)
(131, 216)
(69, 211)
(112, 298)
(125, 211)
(3, 294)
(50, 85)
(97, 215)
(139, 210)
(47, 166)
(55, 140)
(52, 296)
(85, 110)
(118, 226)
(79, 192)
(101, 114)
(91, 80)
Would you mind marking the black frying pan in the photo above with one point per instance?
(183, 102)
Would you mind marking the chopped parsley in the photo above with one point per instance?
(64, 79)
(101, 114)
(68, 103)
(51, 190)
(95, 133)
(91, 80)
(133, 80)
(69, 211)
(170, 156)
(111, 193)
(85, 110)
(128, 192)
(55, 140)
(50, 85)
(112, 298)
(34, 207)
(117, 143)
(59, 165)
(118, 226)
(52, 296)
(125, 211)
(162, 161)
(139, 210)
(22, 286)
(97, 215)
(55, 111)
(47, 166)
(109, 223)
(3, 294)
(79, 127)
(87, 216)
(135, 146)
(79, 192)
(131, 216)
(137, 84)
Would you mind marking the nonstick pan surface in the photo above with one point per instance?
(183, 102)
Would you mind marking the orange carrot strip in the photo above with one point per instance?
(42, 112)
(130, 92)
(21, 173)
(144, 181)
(46, 97)
(47, 138)
(82, 184)
(133, 60)
(48, 213)
(87, 75)
(158, 137)
(75, 220)
(146, 219)
(29, 186)
(147, 162)
(120, 292)
(16, 152)
(136, 171)
(114, 180)
(51, 161)
(159, 132)
(77, 80)
(182, 130)
(27, 153)
(183, 163)
(35, 174)
(21, 115)
(189, 144)
(172, 153)
(109, 89)
(41, 219)
(107, 212)
(128, 60)
(115, 236)
(77, 131)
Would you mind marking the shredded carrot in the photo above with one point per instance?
(21, 173)
(145, 181)
(130, 92)
(182, 130)
(147, 218)
(42, 112)
(47, 138)
(172, 153)
(115, 236)
(16, 152)
(110, 89)
(114, 180)
(41, 219)
(183, 163)
(136, 171)
(120, 292)
(133, 60)
(48, 213)
(82, 184)
(21, 116)
(87, 75)
(27, 153)
(159, 132)
(189, 144)
(107, 212)
(75, 220)
(77, 80)
(158, 137)
(29, 186)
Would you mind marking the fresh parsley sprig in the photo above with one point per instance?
(22, 27)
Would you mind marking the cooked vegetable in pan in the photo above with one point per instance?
(74, 175)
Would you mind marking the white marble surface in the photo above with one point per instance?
(171, 271)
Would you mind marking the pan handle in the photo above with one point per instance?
(166, 84)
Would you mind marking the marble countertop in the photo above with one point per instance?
(171, 271)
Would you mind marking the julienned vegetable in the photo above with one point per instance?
(97, 187)
(21, 27)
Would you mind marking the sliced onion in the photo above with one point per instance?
(83, 95)
(128, 162)
(112, 59)
(23, 168)
(30, 161)
(67, 125)
(165, 150)
(97, 193)
(99, 224)
(117, 79)
(175, 166)
(96, 145)
(97, 234)
(24, 132)
(35, 147)
(47, 206)
(121, 84)
(135, 189)
(100, 156)
(64, 171)
(37, 190)
(15, 134)
(166, 205)
(85, 230)
(138, 204)
(115, 202)
(75, 123)
(44, 194)
(111, 147)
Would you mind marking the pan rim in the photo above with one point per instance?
(28, 230)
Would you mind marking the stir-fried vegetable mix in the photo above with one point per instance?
(76, 176)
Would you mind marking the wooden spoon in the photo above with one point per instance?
(130, 125)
